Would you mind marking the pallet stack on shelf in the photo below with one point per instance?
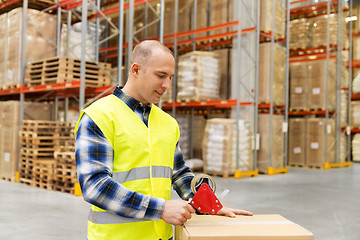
(64, 69)
(314, 89)
(38, 141)
(48, 155)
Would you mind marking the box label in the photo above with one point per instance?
(314, 145)
(7, 157)
(297, 150)
(316, 91)
(298, 90)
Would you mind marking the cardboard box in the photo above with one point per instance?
(315, 142)
(266, 17)
(277, 150)
(299, 85)
(278, 86)
(297, 141)
(257, 227)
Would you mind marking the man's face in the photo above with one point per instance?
(156, 79)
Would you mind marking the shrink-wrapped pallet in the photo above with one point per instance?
(356, 84)
(278, 86)
(356, 47)
(219, 147)
(198, 76)
(277, 139)
(355, 114)
(299, 85)
(315, 142)
(266, 17)
(41, 31)
(356, 147)
(297, 144)
(299, 34)
(318, 93)
(75, 38)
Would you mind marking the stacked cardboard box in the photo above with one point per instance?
(319, 30)
(9, 132)
(3, 44)
(198, 76)
(219, 147)
(277, 150)
(308, 85)
(297, 143)
(266, 17)
(278, 72)
(356, 147)
(299, 34)
(42, 35)
(315, 142)
(299, 85)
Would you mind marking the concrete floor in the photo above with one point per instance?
(326, 202)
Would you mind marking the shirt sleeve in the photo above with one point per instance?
(182, 176)
(94, 163)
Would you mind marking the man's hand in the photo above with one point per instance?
(177, 212)
(231, 212)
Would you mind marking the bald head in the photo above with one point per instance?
(143, 52)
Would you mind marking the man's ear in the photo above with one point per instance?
(135, 69)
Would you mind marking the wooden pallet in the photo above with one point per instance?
(63, 69)
(39, 127)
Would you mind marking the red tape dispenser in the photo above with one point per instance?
(205, 200)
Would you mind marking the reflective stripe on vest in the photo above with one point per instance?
(110, 218)
(142, 173)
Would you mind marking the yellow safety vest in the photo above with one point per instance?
(143, 162)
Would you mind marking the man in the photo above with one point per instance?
(128, 156)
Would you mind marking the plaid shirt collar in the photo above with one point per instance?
(131, 102)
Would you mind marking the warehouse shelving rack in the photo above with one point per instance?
(310, 9)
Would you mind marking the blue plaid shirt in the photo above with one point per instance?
(94, 162)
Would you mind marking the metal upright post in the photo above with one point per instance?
(238, 85)
(130, 31)
(68, 30)
(194, 25)
(120, 45)
(174, 87)
(338, 81)
(327, 82)
(83, 49)
(58, 28)
(348, 128)
(161, 32)
(66, 108)
(271, 82)
(97, 26)
(287, 34)
(256, 135)
(23, 67)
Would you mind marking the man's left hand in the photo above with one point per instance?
(231, 212)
